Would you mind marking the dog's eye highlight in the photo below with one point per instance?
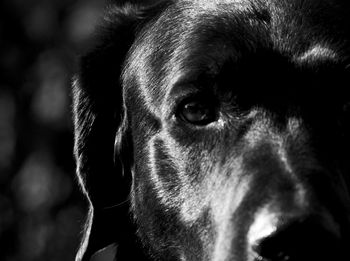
(197, 112)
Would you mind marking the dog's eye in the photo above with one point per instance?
(198, 112)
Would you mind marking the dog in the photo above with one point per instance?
(216, 130)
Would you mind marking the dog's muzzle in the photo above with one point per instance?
(274, 237)
(301, 219)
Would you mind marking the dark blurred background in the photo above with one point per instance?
(41, 209)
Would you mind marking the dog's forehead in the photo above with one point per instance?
(190, 36)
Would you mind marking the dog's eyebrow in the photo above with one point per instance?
(191, 83)
(318, 52)
(178, 92)
(213, 4)
(182, 89)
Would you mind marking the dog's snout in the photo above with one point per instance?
(302, 239)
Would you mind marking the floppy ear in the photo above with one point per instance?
(100, 124)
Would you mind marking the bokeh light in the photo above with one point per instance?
(7, 131)
(42, 211)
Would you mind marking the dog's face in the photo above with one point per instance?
(234, 133)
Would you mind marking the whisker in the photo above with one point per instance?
(118, 205)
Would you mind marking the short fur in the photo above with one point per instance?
(163, 188)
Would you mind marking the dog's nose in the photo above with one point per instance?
(299, 242)
(304, 239)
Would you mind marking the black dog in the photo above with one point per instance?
(217, 130)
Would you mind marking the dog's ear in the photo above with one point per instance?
(100, 125)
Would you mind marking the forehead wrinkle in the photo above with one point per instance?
(176, 43)
(148, 47)
(210, 35)
(137, 71)
(187, 57)
(157, 42)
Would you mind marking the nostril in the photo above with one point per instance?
(298, 242)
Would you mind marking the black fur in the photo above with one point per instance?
(276, 71)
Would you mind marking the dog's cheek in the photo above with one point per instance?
(168, 205)
(156, 200)
(206, 196)
(222, 191)
(181, 198)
